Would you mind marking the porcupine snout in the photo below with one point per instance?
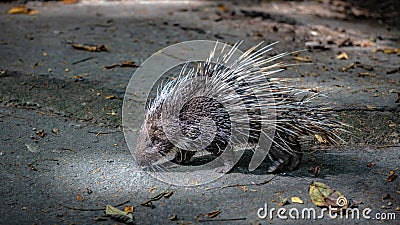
(152, 143)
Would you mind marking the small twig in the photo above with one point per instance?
(7, 114)
(388, 146)
(99, 132)
(68, 149)
(82, 60)
(239, 185)
(221, 220)
(87, 209)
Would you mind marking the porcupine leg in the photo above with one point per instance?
(183, 157)
(284, 159)
(228, 160)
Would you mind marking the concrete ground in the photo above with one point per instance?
(63, 155)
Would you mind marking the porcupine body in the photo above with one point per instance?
(206, 105)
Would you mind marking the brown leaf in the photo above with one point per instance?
(129, 209)
(283, 201)
(123, 64)
(392, 176)
(371, 164)
(213, 214)
(79, 198)
(91, 48)
(68, 2)
(41, 133)
(365, 75)
(244, 188)
(22, 10)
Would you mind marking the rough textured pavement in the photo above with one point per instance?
(81, 162)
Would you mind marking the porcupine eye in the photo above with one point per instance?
(192, 116)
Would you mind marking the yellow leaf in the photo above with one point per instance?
(296, 200)
(342, 55)
(111, 97)
(320, 139)
(22, 10)
(392, 176)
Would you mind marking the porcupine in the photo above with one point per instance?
(205, 90)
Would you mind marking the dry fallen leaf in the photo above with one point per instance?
(320, 139)
(79, 198)
(67, 2)
(324, 196)
(119, 215)
(213, 214)
(41, 133)
(173, 217)
(22, 10)
(371, 107)
(55, 131)
(91, 48)
(129, 209)
(351, 66)
(388, 50)
(296, 200)
(303, 59)
(283, 201)
(342, 55)
(392, 176)
(123, 64)
(370, 164)
(152, 189)
(244, 188)
(111, 97)
(169, 194)
(365, 75)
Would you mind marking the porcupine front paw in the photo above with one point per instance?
(183, 157)
(283, 160)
